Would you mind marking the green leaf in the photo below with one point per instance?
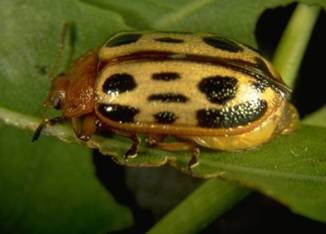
(46, 187)
(287, 169)
(51, 188)
(30, 32)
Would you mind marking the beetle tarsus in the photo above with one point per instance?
(194, 160)
(132, 151)
(84, 137)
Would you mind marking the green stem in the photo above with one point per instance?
(294, 41)
(210, 200)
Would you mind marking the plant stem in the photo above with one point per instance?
(294, 41)
(210, 200)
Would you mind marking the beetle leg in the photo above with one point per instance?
(156, 141)
(76, 125)
(133, 150)
(44, 123)
(84, 127)
(290, 120)
(194, 160)
(88, 127)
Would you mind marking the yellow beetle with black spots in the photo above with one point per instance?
(201, 89)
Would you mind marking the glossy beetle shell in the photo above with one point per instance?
(201, 87)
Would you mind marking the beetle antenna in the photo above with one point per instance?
(67, 30)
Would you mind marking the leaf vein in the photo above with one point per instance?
(270, 173)
(185, 11)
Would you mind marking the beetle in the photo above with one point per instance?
(201, 89)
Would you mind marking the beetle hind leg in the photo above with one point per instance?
(290, 120)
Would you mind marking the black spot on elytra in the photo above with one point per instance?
(169, 40)
(118, 83)
(261, 85)
(166, 76)
(165, 117)
(118, 113)
(222, 43)
(218, 89)
(123, 39)
(230, 117)
(168, 97)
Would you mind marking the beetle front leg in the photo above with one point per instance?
(84, 127)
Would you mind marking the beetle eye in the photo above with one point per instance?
(57, 100)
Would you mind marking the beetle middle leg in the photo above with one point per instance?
(133, 149)
(157, 141)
